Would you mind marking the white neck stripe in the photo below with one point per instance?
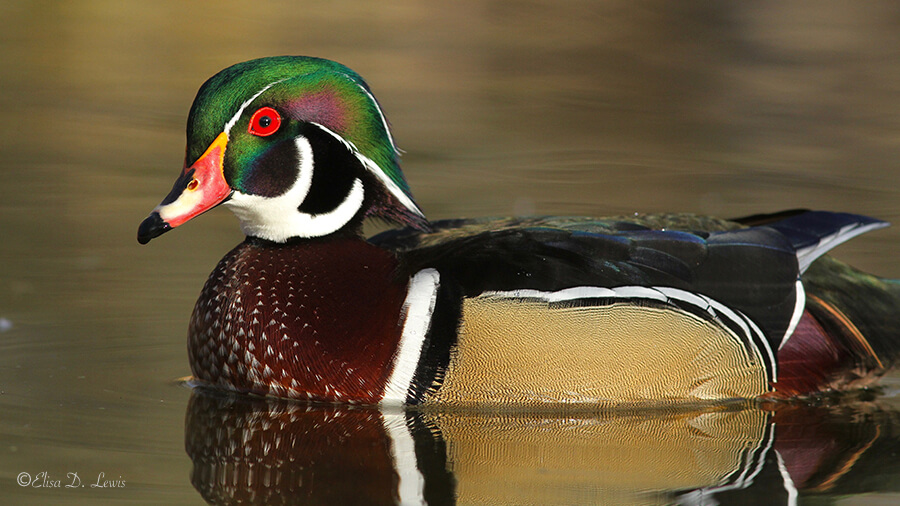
(421, 297)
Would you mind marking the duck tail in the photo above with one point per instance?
(813, 233)
(849, 333)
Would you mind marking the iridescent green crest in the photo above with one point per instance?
(308, 89)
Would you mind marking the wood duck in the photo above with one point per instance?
(540, 311)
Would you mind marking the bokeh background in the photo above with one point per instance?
(502, 107)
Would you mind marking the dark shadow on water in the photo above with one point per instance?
(267, 451)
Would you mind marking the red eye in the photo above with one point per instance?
(264, 122)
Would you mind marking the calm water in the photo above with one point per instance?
(504, 107)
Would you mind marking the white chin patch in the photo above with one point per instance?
(279, 219)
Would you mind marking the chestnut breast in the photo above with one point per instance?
(314, 320)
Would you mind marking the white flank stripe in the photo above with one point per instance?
(578, 292)
(421, 297)
(749, 475)
(641, 292)
(411, 483)
(765, 344)
(799, 306)
(724, 311)
(690, 298)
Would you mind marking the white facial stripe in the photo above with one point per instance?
(384, 123)
(278, 218)
(350, 146)
(237, 115)
(373, 167)
(421, 297)
(380, 115)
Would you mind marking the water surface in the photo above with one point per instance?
(513, 107)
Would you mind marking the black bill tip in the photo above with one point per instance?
(153, 226)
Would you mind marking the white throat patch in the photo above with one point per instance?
(278, 218)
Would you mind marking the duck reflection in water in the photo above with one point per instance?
(268, 451)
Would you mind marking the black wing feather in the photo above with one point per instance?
(753, 270)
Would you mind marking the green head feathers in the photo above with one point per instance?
(306, 89)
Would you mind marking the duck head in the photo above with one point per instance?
(295, 146)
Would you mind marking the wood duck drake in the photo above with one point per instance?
(637, 309)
